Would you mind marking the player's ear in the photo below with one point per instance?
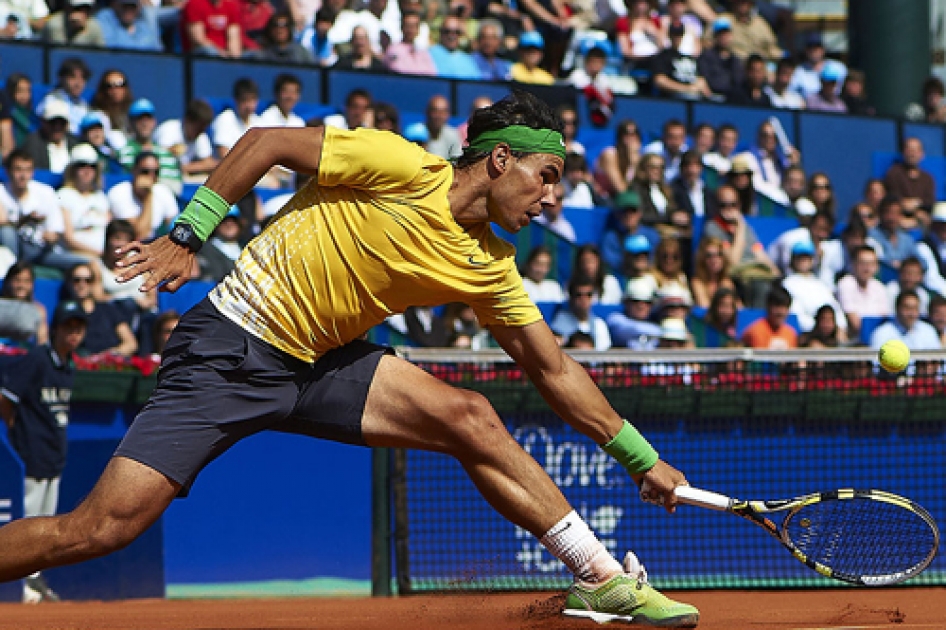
(500, 157)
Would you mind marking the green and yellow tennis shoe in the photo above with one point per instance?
(628, 598)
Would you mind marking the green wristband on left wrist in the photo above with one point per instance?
(631, 450)
(204, 212)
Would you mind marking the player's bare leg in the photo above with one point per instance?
(409, 408)
(127, 499)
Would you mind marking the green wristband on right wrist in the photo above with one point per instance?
(631, 450)
(204, 212)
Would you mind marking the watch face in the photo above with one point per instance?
(181, 232)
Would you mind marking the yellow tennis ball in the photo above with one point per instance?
(894, 356)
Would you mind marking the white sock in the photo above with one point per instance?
(572, 541)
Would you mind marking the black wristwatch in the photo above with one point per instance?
(183, 234)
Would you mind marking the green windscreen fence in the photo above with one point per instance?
(749, 425)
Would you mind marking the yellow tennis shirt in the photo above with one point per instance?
(373, 236)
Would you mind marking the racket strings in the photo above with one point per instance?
(862, 537)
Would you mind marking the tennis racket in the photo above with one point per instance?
(866, 537)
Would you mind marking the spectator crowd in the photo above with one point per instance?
(678, 262)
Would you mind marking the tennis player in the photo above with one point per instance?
(277, 345)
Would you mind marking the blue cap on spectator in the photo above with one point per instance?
(417, 132)
(721, 24)
(831, 73)
(92, 119)
(532, 39)
(814, 39)
(803, 248)
(234, 213)
(141, 107)
(597, 44)
(637, 244)
(69, 310)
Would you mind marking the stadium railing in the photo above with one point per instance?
(752, 424)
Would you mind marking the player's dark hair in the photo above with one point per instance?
(518, 108)
(778, 296)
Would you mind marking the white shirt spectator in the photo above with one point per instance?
(932, 278)
(834, 260)
(40, 199)
(119, 290)
(25, 11)
(578, 197)
(275, 204)
(807, 81)
(546, 291)
(124, 205)
(227, 128)
(808, 295)
(559, 226)
(273, 117)
(170, 134)
(921, 337)
(566, 324)
(88, 214)
(785, 100)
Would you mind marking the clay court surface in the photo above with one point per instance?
(861, 609)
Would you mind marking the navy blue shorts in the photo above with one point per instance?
(219, 384)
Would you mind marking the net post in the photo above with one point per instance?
(380, 523)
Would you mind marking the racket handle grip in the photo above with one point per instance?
(702, 498)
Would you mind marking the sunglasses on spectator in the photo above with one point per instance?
(728, 204)
(78, 279)
(583, 294)
(823, 186)
(714, 254)
(148, 171)
(451, 31)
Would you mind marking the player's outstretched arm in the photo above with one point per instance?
(168, 264)
(574, 396)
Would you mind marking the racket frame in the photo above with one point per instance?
(756, 511)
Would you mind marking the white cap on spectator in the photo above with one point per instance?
(55, 109)
(939, 212)
(83, 154)
(805, 207)
(674, 329)
(639, 290)
(673, 295)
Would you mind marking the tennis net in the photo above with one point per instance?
(756, 425)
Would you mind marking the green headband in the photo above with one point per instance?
(523, 139)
